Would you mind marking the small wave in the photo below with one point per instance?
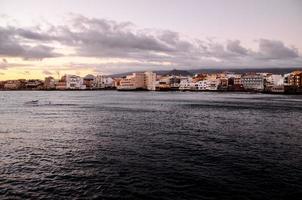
(39, 104)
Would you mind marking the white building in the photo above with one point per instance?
(275, 80)
(102, 82)
(187, 84)
(213, 84)
(150, 80)
(253, 82)
(202, 85)
(74, 82)
(210, 85)
(274, 83)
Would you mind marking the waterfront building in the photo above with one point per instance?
(138, 81)
(202, 85)
(199, 77)
(234, 82)
(223, 83)
(70, 82)
(295, 79)
(49, 83)
(102, 82)
(117, 82)
(187, 84)
(34, 84)
(274, 79)
(236, 78)
(89, 81)
(61, 84)
(150, 80)
(2, 83)
(253, 82)
(286, 78)
(74, 82)
(208, 85)
(163, 84)
(127, 84)
(13, 85)
(173, 78)
(293, 82)
(213, 84)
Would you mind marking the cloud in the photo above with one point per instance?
(34, 34)
(3, 63)
(147, 48)
(103, 38)
(46, 72)
(25, 72)
(235, 47)
(272, 49)
(12, 44)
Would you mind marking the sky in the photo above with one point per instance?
(57, 37)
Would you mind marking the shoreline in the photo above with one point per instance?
(163, 91)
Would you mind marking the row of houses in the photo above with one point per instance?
(227, 81)
(74, 82)
(67, 82)
(173, 80)
(22, 84)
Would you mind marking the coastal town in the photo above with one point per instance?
(175, 80)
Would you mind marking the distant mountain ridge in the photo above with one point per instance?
(176, 72)
(215, 70)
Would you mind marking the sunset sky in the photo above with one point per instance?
(55, 37)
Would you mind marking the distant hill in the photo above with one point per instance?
(176, 72)
(216, 70)
(247, 70)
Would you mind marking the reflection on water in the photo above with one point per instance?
(137, 145)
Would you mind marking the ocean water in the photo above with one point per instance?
(150, 145)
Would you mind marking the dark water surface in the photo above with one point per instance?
(150, 145)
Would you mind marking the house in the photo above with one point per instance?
(253, 82)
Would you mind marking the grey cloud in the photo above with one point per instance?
(272, 49)
(34, 35)
(101, 38)
(110, 39)
(11, 45)
(39, 52)
(4, 64)
(235, 47)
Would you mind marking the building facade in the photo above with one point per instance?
(102, 82)
(70, 82)
(138, 81)
(150, 80)
(253, 82)
(49, 83)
